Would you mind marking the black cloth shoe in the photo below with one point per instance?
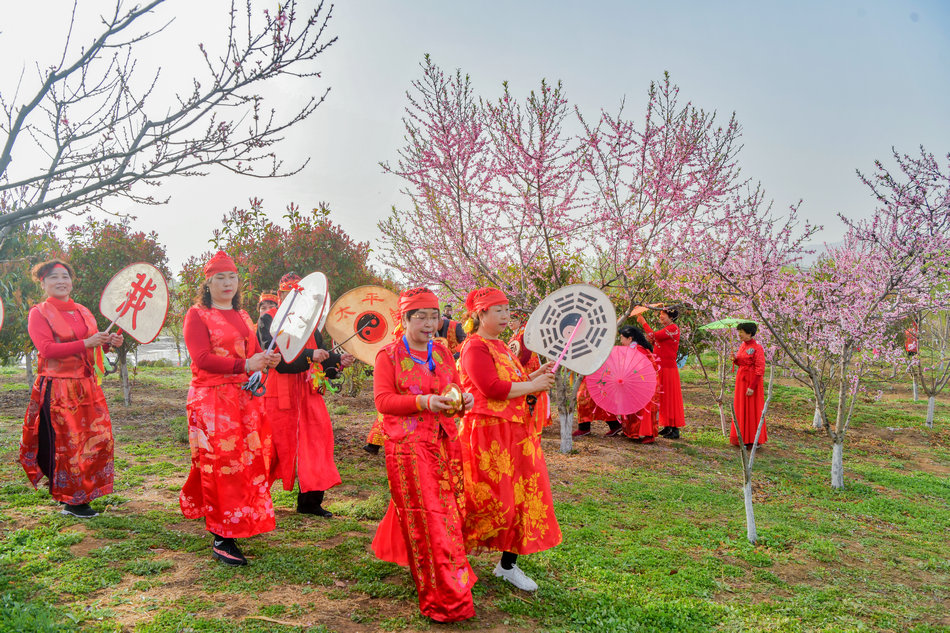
(227, 551)
(372, 449)
(312, 503)
(82, 511)
(665, 431)
(674, 433)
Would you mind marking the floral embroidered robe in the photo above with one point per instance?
(67, 432)
(750, 361)
(508, 502)
(230, 441)
(423, 526)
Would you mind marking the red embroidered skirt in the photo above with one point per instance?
(303, 437)
(423, 526)
(508, 502)
(228, 483)
(671, 398)
(67, 436)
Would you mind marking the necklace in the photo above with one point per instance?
(220, 307)
(428, 361)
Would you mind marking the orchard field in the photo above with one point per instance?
(654, 536)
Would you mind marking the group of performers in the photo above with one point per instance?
(663, 416)
(462, 437)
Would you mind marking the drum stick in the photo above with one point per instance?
(339, 346)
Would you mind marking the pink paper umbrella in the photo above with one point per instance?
(625, 383)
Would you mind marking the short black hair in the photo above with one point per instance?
(673, 313)
(748, 327)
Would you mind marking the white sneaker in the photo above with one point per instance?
(516, 577)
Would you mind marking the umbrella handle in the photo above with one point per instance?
(567, 345)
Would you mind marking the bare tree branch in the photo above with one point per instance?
(115, 142)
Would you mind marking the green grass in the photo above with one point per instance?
(654, 537)
(166, 377)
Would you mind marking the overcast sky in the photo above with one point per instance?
(820, 88)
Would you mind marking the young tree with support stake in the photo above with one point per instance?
(100, 131)
(886, 267)
(748, 461)
(930, 364)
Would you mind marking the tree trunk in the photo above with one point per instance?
(749, 514)
(124, 375)
(914, 382)
(893, 372)
(29, 368)
(837, 464)
(816, 421)
(567, 428)
(178, 349)
(566, 397)
(722, 420)
(931, 402)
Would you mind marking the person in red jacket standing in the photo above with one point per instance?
(423, 527)
(67, 432)
(749, 398)
(666, 344)
(229, 482)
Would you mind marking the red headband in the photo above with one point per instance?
(484, 298)
(50, 271)
(267, 296)
(417, 299)
(220, 263)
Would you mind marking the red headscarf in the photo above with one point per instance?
(268, 296)
(484, 298)
(289, 281)
(417, 299)
(220, 263)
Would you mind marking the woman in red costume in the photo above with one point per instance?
(230, 442)
(67, 432)
(298, 416)
(423, 527)
(749, 398)
(666, 344)
(508, 503)
(642, 426)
